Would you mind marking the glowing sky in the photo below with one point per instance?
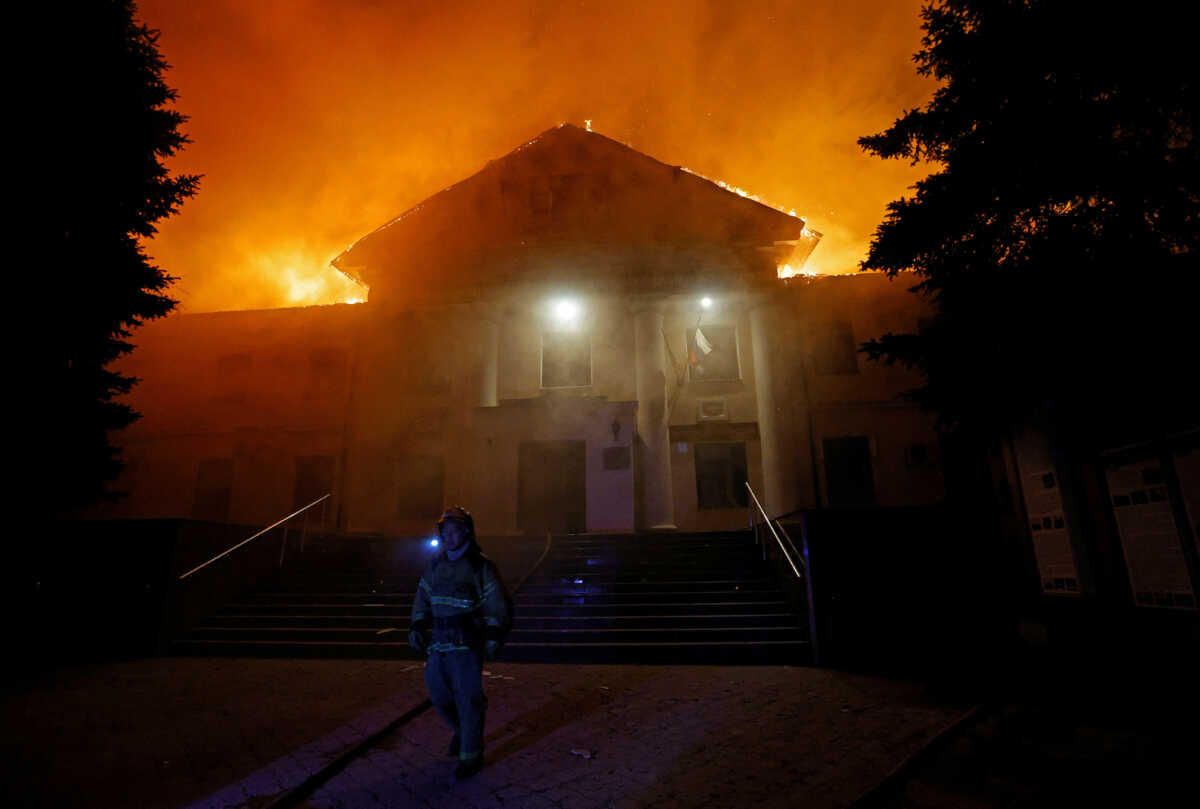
(315, 121)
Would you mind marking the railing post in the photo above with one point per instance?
(813, 634)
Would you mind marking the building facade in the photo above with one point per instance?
(577, 338)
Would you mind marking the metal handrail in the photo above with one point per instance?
(775, 534)
(813, 633)
(228, 551)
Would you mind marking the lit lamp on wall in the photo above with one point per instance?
(564, 311)
(706, 302)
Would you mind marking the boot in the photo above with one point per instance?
(454, 746)
(468, 767)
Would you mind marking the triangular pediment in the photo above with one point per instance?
(567, 189)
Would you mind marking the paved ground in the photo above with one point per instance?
(163, 732)
(1083, 736)
(234, 733)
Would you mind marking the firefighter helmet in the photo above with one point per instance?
(458, 514)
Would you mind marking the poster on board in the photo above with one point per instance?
(1048, 527)
(1149, 535)
(1187, 465)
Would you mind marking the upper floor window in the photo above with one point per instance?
(713, 353)
(326, 371)
(214, 490)
(421, 486)
(834, 349)
(566, 359)
(233, 377)
(314, 478)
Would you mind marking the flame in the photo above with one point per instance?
(741, 192)
(304, 278)
(788, 271)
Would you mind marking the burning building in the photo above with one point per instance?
(576, 338)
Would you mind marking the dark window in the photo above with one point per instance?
(214, 490)
(849, 477)
(541, 199)
(916, 454)
(834, 349)
(713, 353)
(326, 370)
(418, 347)
(314, 477)
(566, 359)
(233, 377)
(721, 475)
(421, 479)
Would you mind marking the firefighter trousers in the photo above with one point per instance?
(455, 681)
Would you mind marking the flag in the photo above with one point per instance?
(699, 347)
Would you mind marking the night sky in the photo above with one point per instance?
(316, 121)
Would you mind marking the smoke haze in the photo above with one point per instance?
(314, 122)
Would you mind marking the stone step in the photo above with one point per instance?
(735, 653)
(530, 609)
(532, 622)
(594, 586)
(649, 634)
(652, 597)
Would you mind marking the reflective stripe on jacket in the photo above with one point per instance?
(463, 600)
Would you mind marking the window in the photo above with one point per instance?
(214, 490)
(541, 198)
(834, 349)
(326, 370)
(713, 353)
(419, 363)
(721, 475)
(916, 455)
(566, 359)
(233, 377)
(421, 480)
(314, 477)
(849, 477)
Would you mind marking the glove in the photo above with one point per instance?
(490, 649)
(416, 639)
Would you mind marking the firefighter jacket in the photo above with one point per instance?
(464, 601)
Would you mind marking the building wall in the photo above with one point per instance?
(392, 397)
(259, 389)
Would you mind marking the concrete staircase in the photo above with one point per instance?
(656, 598)
(677, 598)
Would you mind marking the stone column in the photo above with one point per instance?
(489, 359)
(652, 425)
(773, 427)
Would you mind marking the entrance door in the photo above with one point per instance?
(850, 481)
(551, 486)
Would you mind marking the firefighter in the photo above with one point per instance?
(461, 616)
